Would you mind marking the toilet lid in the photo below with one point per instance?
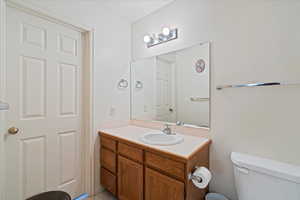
(267, 166)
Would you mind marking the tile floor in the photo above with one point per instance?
(103, 196)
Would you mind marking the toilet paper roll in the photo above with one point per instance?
(201, 177)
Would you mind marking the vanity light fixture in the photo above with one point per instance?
(166, 31)
(166, 36)
(148, 39)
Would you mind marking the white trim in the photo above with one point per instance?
(88, 118)
(2, 94)
(88, 50)
(2, 48)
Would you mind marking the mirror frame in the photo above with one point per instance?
(210, 86)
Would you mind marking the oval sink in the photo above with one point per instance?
(159, 138)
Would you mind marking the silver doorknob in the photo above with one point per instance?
(13, 130)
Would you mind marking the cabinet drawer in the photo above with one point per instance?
(109, 143)
(167, 165)
(131, 152)
(108, 160)
(108, 181)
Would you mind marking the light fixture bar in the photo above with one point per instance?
(161, 37)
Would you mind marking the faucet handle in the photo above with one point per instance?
(179, 123)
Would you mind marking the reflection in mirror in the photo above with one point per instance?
(173, 87)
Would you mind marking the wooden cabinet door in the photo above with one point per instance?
(161, 187)
(130, 179)
(108, 181)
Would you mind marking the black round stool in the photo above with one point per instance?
(53, 195)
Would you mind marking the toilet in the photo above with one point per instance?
(263, 179)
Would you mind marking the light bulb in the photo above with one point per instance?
(147, 39)
(166, 31)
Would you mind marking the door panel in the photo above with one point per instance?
(33, 83)
(67, 147)
(34, 36)
(164, 101)
(130, 179)
(161, 187)
(44, 90)
(33, 167)
(68, 45)
(68, 89)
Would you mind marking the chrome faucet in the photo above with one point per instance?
(179, 123)
(167, 130)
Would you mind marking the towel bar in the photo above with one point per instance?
(198, 99)
(4, 106)
(255, 85)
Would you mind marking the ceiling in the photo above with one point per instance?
(131, 10)
(135, 9)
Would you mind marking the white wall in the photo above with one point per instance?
(112, 60)
(254, 40)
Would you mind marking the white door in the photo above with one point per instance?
(164, 103)
(43, 89)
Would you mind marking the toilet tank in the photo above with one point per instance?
(263, 179)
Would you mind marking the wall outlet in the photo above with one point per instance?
(112, 111)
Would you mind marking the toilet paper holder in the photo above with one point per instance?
(193, 177)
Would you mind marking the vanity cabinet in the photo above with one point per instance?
(132, 171)
(108, 180)
(159, 186)
(108, 160)
(130, 179)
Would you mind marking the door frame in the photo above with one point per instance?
(88, 128)
(2, 94)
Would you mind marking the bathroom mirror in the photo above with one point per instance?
(173, 87)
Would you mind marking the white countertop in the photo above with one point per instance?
(133, 133)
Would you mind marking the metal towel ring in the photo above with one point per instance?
(123, 83)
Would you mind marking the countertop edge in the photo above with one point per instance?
(153, 149)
